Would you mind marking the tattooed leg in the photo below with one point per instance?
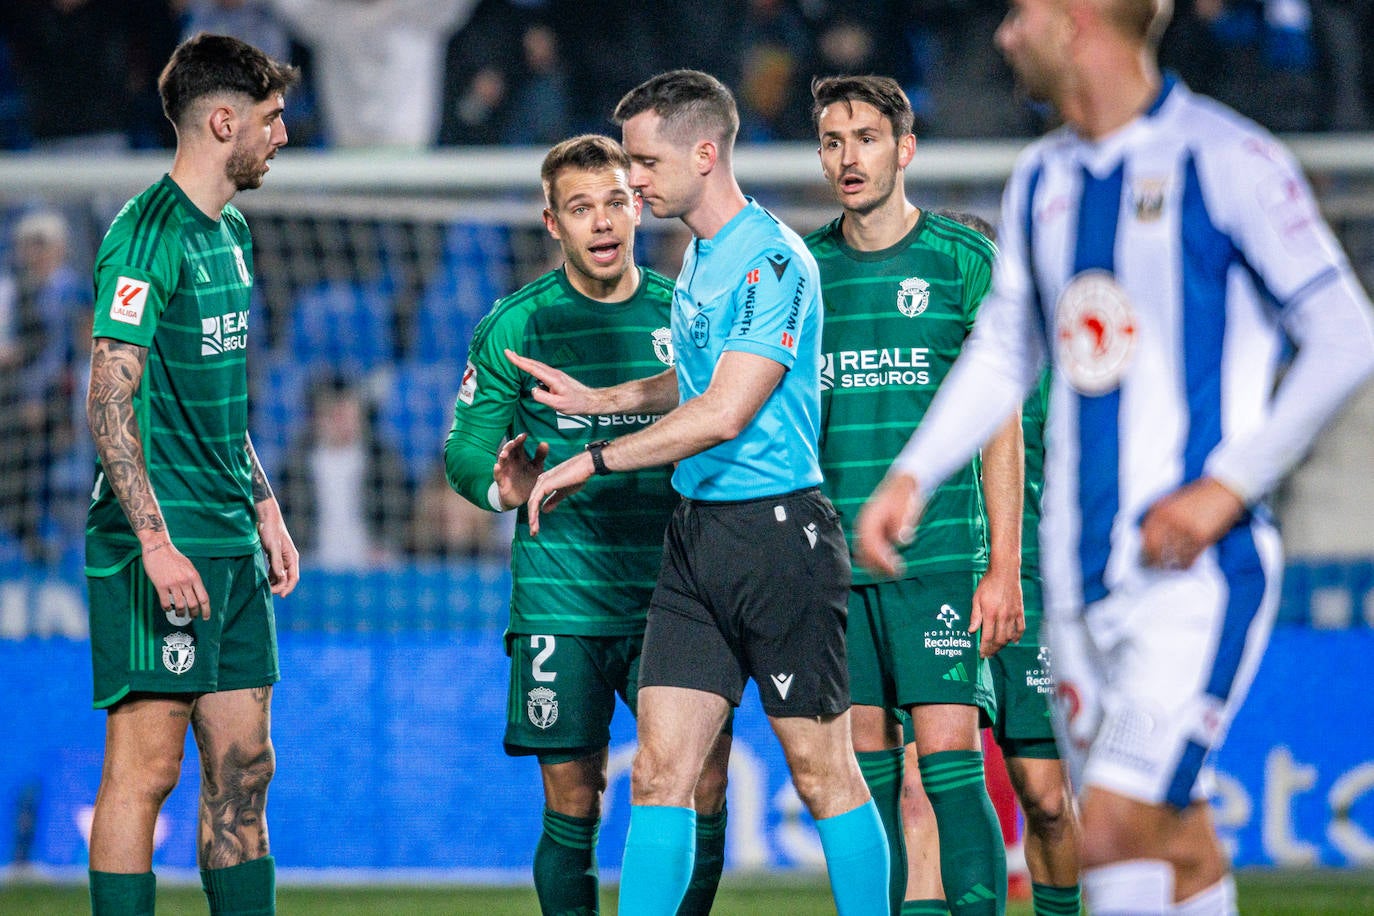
(233, 732)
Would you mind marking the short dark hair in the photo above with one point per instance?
(883, 93)
(691, 103)
(972, 221)
(211, 64)
(589, 152)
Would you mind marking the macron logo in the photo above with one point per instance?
(783, 682)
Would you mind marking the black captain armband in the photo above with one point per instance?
(598, 463)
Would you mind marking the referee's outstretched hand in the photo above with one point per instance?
(554, 486)
(556, 388)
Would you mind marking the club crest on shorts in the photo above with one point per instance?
(1095, 331)
(913, 296)
(663, 346)
(178, 652)
(542, 707)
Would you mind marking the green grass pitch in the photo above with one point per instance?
(1262, 893)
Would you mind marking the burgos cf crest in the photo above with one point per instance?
(913, 296)
(178, 652)
(663, 346)
(542, 706)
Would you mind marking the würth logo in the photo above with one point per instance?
(752, 276)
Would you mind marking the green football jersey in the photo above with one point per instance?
(170, 278)
(1033, 414)
(592, 569)
(895, 320)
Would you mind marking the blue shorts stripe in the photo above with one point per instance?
(1180, 793)
(1240, 564)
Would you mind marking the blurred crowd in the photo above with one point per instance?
(81, 74)
(353, 451)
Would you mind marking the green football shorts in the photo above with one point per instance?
(137, 647)
(909, 644)
(1021, 675)
(562, 693)
(563, 690)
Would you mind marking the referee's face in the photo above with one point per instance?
(660, 170)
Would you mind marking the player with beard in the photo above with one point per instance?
(185, 543)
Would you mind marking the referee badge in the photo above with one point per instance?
(542, 707)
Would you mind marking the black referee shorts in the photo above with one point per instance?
(756, 588)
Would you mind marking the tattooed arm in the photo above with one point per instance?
(116, 371)
(283, 561)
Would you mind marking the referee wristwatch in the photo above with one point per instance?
(598, 463)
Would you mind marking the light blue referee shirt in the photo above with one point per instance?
(754, 287)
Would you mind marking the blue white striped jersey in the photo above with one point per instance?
(1158, 271)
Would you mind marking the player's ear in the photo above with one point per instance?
(906, 149)
(551, 224)
(222, 123)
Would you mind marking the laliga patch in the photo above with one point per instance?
(468, 389)
(130, 298)
(1290, 211)
(1095, 331)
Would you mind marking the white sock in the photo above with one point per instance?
(1217, 900)
(1139, 887)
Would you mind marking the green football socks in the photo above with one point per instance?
(247, 889)
(565, 874)
(115, 894)
(882, 771)
(710, 861)
(973, 859)
(1049, 900)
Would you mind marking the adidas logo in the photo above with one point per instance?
(957, 673)
(202, 275)
(975, 895)
(783, 683)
